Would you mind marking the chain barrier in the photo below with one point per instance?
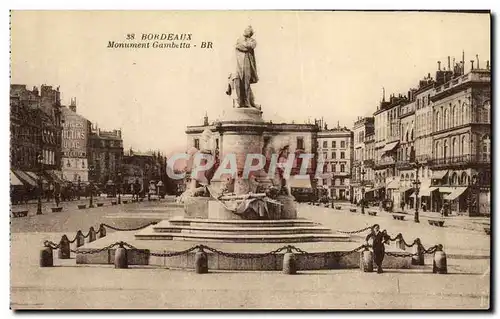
(51, 244)
(97, 250)
(128, 229)
(355, 231)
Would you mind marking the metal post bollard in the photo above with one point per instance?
(64, 248)
(418, 254)
(102, 231)
(201, 262)
(92, 235)
(121, 261)
(289, 263)
(400, 243)
(80, 239)
(439, 264)
(367, 260)
(46, 257)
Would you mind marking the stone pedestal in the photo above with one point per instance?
(217, 211)
(196, 207)
(289, 209)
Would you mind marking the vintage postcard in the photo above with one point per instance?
(250, 160)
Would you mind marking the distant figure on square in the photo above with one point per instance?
(379, 238)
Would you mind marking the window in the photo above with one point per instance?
(342, 155)
(325, 155)
(428, 99)
(325, 182)
(197, 143)
(334, 144)
(217, 143)
(342, 181)
(445, 149)
(485, 148)
(342, 168)
(334, 167)
(342, 144)
(325, 144)
(334, 155)
(300, 143)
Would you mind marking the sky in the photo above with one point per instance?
(310, 64)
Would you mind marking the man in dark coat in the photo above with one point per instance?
(379, 238)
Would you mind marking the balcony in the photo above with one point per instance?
(459, 161)
(423, 158)
(402, 165)
(356, 163)
(382, 163)
(369, 163)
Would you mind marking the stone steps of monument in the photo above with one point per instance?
(242, 230)
(149, 234)
(214, 223)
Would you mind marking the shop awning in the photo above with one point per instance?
(446, 189)
(439, 174)
(35, 177)
(390, 146)
(394, 184)
(372, 189)
(425, 191)
(406, 189)
(51, 175)
(14, 180)
(300, 182)
(455, 194)
(25, 178)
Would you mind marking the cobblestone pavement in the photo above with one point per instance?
(145, 287)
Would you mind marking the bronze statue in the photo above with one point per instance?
(246, 72)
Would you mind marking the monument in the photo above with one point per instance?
(244, 213)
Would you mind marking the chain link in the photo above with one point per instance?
(355, 231)
(97, 250)
(127, 229)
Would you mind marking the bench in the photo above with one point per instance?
(82, 206)
(113, 203)
(398, 216)
(141, 199)
(435, 222)
(125, 201)
(487, 230)
(338, 207)
(374, 213)
(20, 213)
(353, 210)
(100, 204)
(56, 209)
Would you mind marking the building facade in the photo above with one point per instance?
(437, 140)
(75, 133)
(335, 155)
(145, 167)
(36, 129)
(362, 168)
(105, 154)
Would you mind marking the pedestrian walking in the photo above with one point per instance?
(379, 239)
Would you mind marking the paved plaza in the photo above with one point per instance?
(84, 286)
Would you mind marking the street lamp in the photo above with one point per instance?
(91, 186)
(363, 191)
(39, 203)
(78, 187)
(416, 185)
(472, 195)
(119, 185)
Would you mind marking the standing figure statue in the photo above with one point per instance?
(246, 72)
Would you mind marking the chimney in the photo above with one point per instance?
(439, 65)
(472, 64)
(72, 104)
(477, 59)
(449, 65)
(205, 119)
(383, 94)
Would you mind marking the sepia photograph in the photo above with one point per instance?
(250, 160)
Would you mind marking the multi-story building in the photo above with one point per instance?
(362, 169)
(335, 154)
(74, 164)
(105, 154)
(461, 161)
(387, 137)
(145, 167)
(35, 126)
(439, 136)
